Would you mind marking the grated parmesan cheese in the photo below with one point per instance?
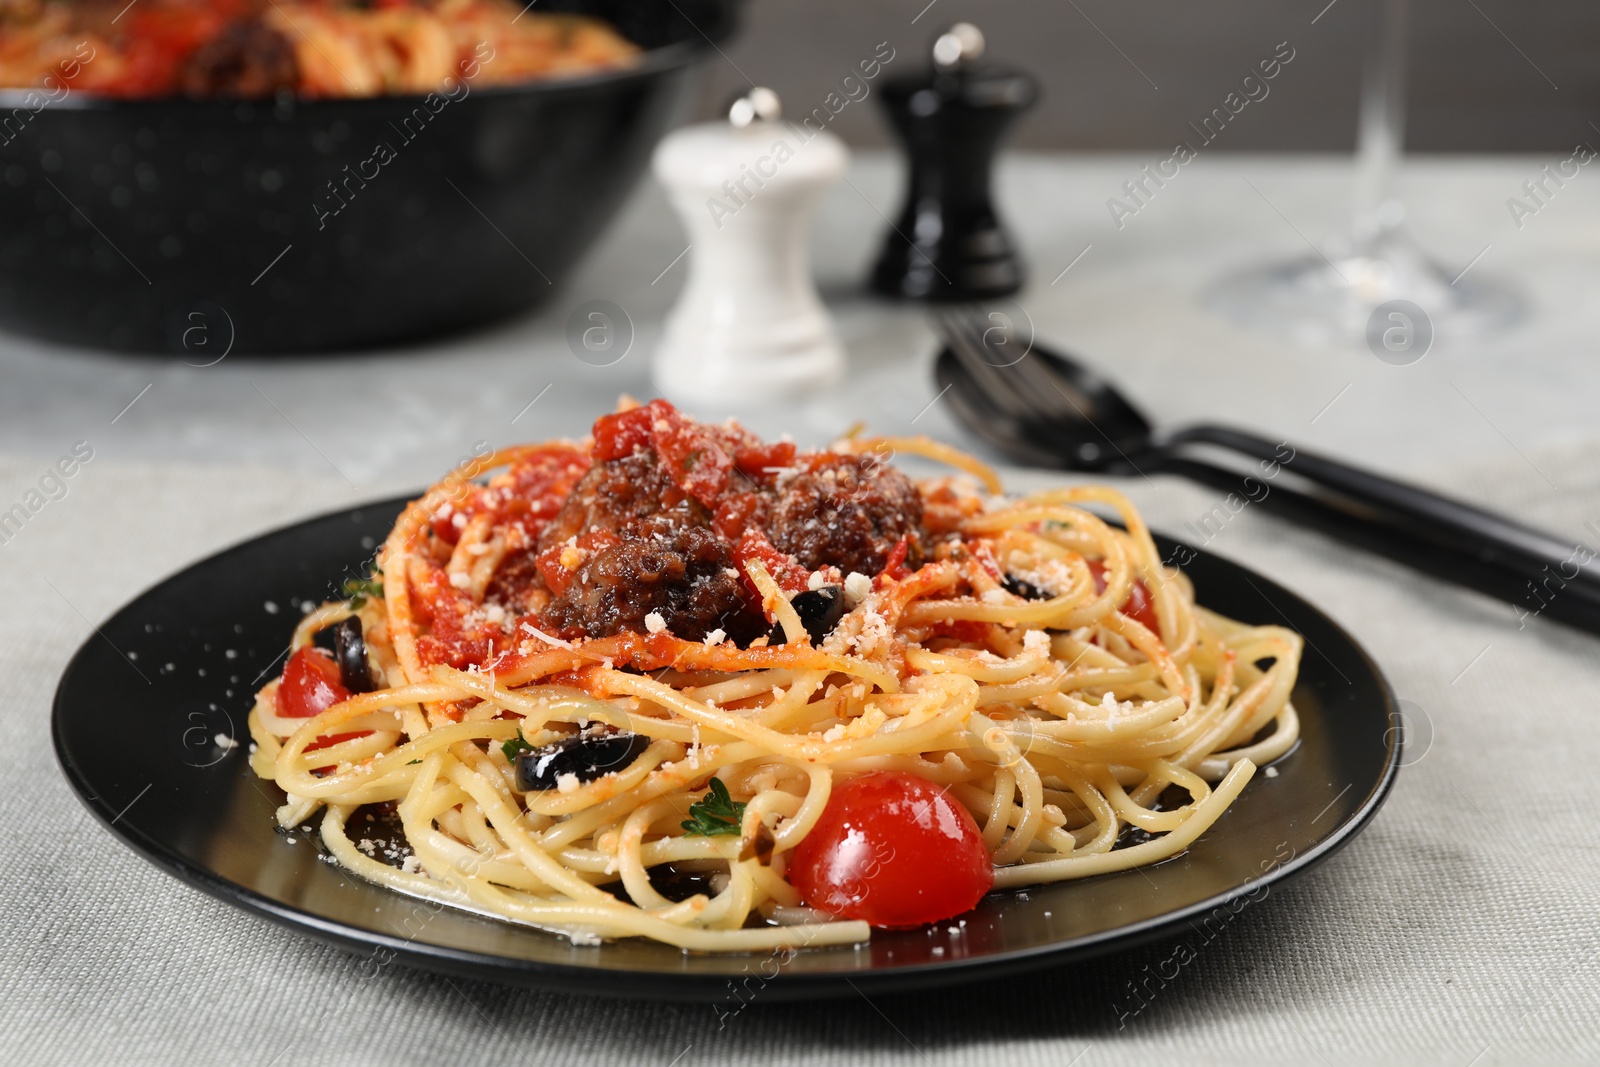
(533, 631)
(856, 588)
(875, 633)
(655, 623)
(461, 579)
(567, 783)
(782, 476)
(715, 637)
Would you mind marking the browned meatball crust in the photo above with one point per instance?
(667, 564)
(848, 511)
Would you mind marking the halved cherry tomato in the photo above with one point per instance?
(758, 459)
(622, 434)
(333, 739)
(790, 576)
(689, 453)
(1139, 606)
(310, 684)
(893, 849)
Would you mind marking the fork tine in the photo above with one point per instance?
(984, 375)
(1050, 397)
(962, 331)
(973, 409)
(965, 341)
(1064, 399)
(1053, 394)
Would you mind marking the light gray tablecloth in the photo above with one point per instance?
(1464, 923)
(1461, 928)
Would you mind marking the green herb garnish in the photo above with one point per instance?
(715, 813)
(410, 762)
(514, 748)
(357, 590)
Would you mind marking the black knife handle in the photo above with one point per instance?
(1533, 555)
(1574, 603)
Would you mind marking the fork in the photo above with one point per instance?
(1047, 410)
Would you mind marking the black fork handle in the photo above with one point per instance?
(1573, 603)
(1534, 556)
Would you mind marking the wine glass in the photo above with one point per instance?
(1324, 299)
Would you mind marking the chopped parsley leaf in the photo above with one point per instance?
(715, 813)
(357, 590)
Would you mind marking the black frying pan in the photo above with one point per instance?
(186, 225)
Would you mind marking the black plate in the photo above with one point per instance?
(139, 706)
(203, 227)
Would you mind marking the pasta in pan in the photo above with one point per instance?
(840, 698)
(311, 48)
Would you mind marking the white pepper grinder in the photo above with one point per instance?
(749, 326)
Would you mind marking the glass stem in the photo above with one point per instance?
(1381, 133)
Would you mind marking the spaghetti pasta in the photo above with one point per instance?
(1031, 659)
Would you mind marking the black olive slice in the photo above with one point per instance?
(350, 652)
(586, 756)
(671, 881)
(820, 611)
(1025, 590)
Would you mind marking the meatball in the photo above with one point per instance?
(668, 563)
(849, 511)
(613, 494)
(247, 60)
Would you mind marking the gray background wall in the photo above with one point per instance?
(1485, 75)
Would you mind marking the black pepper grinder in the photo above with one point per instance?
(949, 244)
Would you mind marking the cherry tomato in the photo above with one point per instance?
(444, 523)
(893, 849)
(690, 455)
(790, 576)
(1139, 606)
(736, 512)
(333, 739)
(895, 566)
(758, 459)
(622, 434)
(529, 494)
(310, 685)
